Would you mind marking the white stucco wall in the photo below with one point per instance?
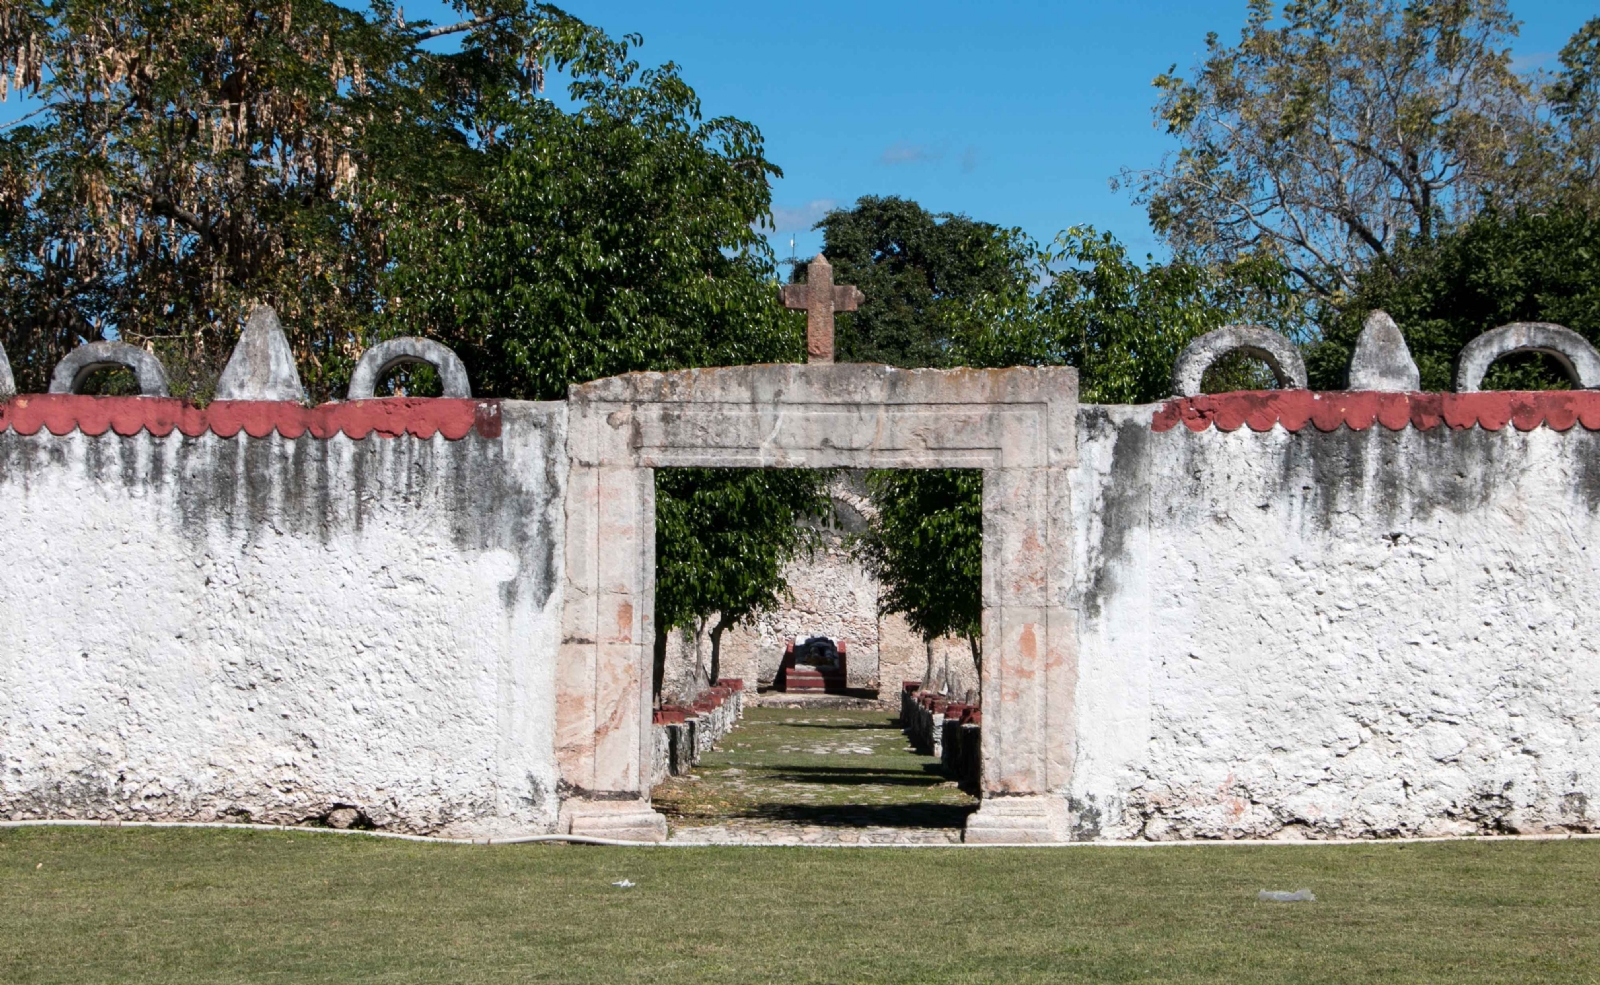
(1335, 634)
(271, 629)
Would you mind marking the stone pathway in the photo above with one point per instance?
(815, 776)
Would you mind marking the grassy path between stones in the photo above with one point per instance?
(172, 906)
(851, 771)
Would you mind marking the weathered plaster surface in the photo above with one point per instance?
(273, 628)
(1352, 633)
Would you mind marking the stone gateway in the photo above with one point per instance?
(1288, 614)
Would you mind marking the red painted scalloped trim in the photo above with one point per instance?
(1261, 410)
(389, 417)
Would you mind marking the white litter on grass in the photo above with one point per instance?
(1278, 896)
(623, 884)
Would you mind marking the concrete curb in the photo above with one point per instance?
(617, 843)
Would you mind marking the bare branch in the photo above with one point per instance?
(161, 205)
(441, 30)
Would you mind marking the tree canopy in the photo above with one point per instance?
(1084, 302)
(1499, 268)
(1336, 129)
(925, 545)
(908, 261)
(189, 160)
(618, 236)
(723, 538)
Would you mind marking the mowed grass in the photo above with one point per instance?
(816, 766)
(171, 906)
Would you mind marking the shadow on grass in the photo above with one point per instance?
(929, 775)
(864, 815)
(890, 725)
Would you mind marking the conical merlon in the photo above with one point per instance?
(1382, 360)
(262, 366)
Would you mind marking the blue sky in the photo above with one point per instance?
(1013, 111)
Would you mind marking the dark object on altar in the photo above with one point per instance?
(815, 666)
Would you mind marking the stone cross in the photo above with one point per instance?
(819, 298)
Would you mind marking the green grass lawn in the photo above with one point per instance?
(171, 906)
(815, 766)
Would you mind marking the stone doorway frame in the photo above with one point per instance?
(1018, 425)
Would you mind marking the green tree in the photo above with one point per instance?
(1082, 302)
(1331, 133)
(616, 237)
(925, 545)
(1501, 267)
(1574, 99)
(1085, 302)
(723, 537)
(908, 261)
(188, 159)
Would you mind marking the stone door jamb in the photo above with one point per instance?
(1018, 425)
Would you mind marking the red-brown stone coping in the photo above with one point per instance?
(1262, 410)
(389, 417)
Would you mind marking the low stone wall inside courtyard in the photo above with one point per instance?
(684, 733)
(949, 730)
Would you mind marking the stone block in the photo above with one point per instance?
(262, 366)
(1382, 360)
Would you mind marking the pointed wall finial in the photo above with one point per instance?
(1382, 360)
(8, 383)
(262, 365)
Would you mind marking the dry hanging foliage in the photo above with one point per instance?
(171, 164)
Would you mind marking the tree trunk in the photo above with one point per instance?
(723, 622)
(658, 664)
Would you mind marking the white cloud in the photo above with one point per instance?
(790, 219)
(901, 152)
(1530, 62)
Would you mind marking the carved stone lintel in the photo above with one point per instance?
(1035, 819)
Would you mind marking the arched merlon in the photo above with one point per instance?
(385, 356)
(1296, 410)
(1572, 351)
(8, 383)
(1270, 347)
(71, 371)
